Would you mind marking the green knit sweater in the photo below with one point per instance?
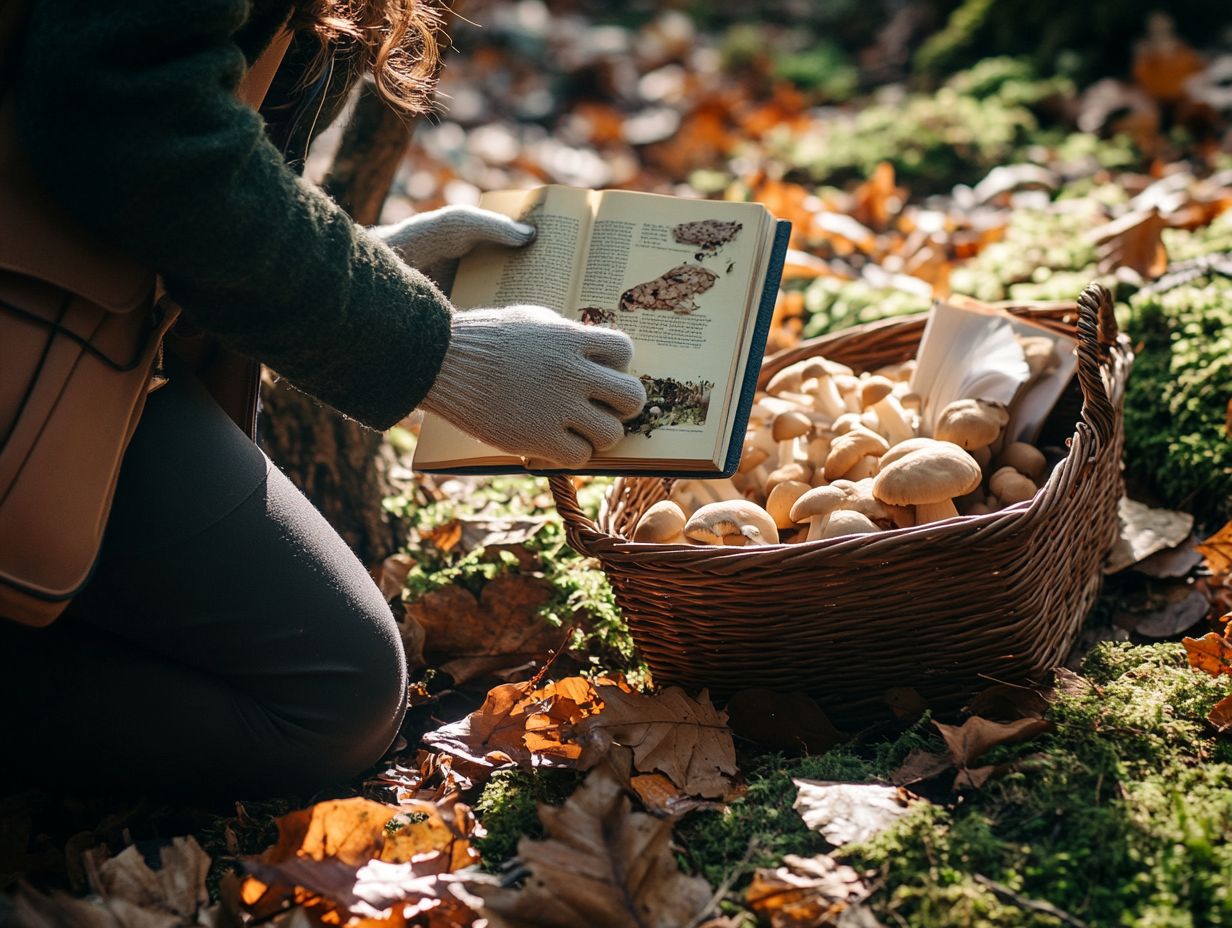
(127, 111)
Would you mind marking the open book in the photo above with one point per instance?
(972, 350)
(693, 283)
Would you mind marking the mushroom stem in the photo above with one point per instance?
(934, 512)
(817, 525)
(894, 424)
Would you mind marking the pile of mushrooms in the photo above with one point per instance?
(829, 452)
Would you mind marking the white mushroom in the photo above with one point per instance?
(732, 522)
(661, 524)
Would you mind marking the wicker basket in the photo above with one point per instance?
(943, 607)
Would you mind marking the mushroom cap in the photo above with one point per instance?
(928, 475)
(751, 457)
(793, 471)
(791, 424)
(1024, 458)
(904, 448)
(781, 500)
(849, 447)
(713, 521)
(970, 423)
(874, 389)
(1010, 487)
(848, 522)
(858, 497)
(662, 523)
(1037, 349)
(819, 501)
(845, 423)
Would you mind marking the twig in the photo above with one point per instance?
(726, 885)
(1003, 892)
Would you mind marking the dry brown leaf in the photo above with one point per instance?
(1163, 62)
(390, 575)
(976, 736)
(974, 777)
(1212, 653)
(1134, 241)
(879, 199)
(601, 865)
(1220, 715)
(1178, 608)
(662, 797)
(520, 726)
(781, 720)
(468, 637)
(1172, 563)
(919, 765)
(1005, 702)
(687, 740)
(1217, 550)
(905, 702)
(806, 892)
(1145, 530)
(846, 812)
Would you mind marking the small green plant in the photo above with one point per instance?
(508, 808)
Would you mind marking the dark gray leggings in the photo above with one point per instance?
(229, 642)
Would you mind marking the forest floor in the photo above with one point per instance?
(542, 776)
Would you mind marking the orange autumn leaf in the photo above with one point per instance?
(1217, 550)
(1220, 715)
(878, 199)
(1212, 653)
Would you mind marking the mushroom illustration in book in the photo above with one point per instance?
(708, 235)
(671, 402)
(673, 290)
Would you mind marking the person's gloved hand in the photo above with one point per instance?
(536, 385)
(433, 242)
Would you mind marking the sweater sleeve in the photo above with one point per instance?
(126, 109)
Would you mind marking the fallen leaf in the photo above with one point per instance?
(1143, 531)
(919, 765)
(1163, 62)
(1212, 653)
(520, 726)
(1178, 609)
(321, 849)
(1134, 241)
(976, 736)
(781, 720)
(390, 575)
(806, 892)
(687, 740)
(467, 637)
(1068, 683)
(662, 797)
(601, 865)
(879, 199)
(1217, 550)
(846, 812)
(1220, 715)
(1007, 703)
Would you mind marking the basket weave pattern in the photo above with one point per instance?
(940, 607)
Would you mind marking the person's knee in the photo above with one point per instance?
(358, 698)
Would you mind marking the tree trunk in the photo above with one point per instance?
(337, 463)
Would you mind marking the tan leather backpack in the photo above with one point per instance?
(81, 336)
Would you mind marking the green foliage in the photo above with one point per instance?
(581, 593)
(1176, 403)
(833, 304)
(821, 69)
(508, 808)
(1118, 817)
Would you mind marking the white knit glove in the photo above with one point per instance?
(433, 242)
(536, 385)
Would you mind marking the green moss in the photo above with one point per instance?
(1119, 817)
(581, 595)
(833, 304)
(1176, 442)
(822, 70)
(508, 809)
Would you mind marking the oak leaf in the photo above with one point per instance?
(1217, 550)
(322, 850)
(687, 740)
(467, 636)
(517, 725)
(1220, 715)
(806, 892)
(1144, 530)
(972, 739)
(1212, 653)
(601, 865)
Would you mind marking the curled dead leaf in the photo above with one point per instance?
(806, 892)
(1220, 715)
(1212, 653)
(846, 812)
(976, 736)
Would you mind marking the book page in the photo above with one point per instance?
(676, 275)
(539, 273)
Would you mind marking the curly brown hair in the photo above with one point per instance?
(398, 42)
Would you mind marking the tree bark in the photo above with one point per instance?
(337, 463)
